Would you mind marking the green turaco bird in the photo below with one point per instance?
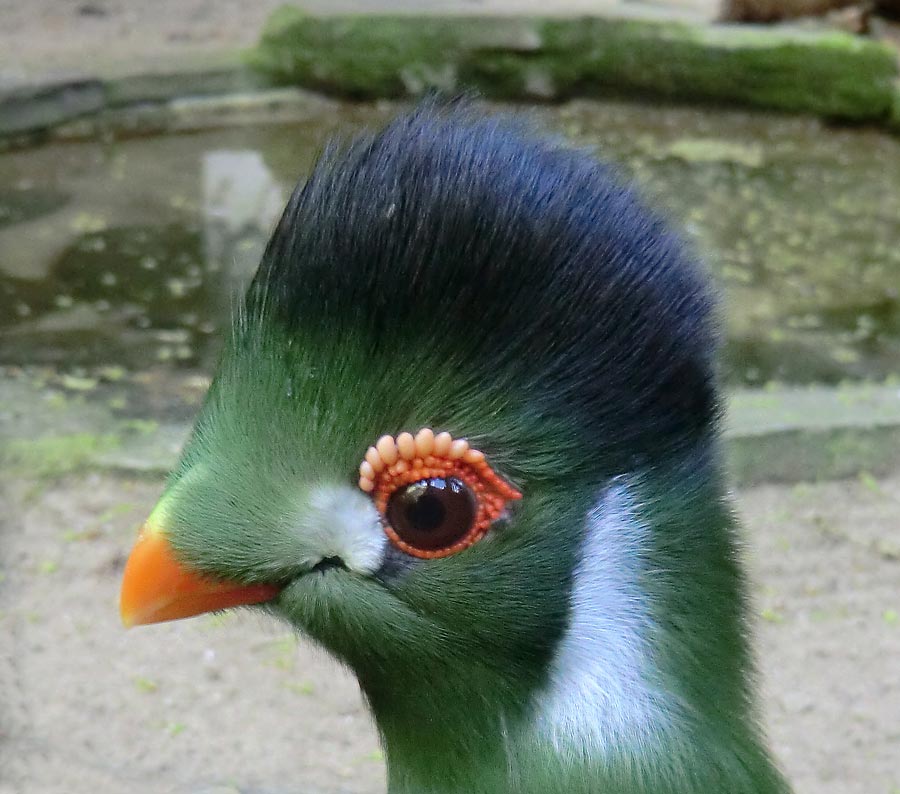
(463, 435)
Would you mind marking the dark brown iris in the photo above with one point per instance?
(432, 514)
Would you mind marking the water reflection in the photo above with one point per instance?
(241, 201)
(131, 253)
(136, 278)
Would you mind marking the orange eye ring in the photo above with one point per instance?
(396, 463)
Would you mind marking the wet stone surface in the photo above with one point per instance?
(25, 202)
(132, 253)
(140, 264)
(799, 222)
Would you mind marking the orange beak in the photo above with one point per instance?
(157, 587)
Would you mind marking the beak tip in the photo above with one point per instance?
(126, 615)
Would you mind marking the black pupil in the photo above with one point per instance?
(426, 513)
(432, 514)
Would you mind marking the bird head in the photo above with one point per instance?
(432, 440)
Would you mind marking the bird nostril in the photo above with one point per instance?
(327, 564)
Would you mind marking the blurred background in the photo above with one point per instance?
(146, 150)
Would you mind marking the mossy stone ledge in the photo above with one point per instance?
(831, 74)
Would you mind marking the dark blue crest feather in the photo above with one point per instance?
(514, 253)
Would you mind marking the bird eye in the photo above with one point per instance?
(432, 514)
(436, 495)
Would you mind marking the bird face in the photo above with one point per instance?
(462, 435)
(269, 504)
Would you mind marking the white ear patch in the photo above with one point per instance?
(599, 696)
(340, 521)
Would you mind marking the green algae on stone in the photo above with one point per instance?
(361, 56)
(832, 74)
(786, 435)
(894, 119)
(53, 456)
(797, 455)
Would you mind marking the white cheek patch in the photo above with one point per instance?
(599, 696)
(341, 521)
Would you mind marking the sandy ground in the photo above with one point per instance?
(61, 37)
(236, 703)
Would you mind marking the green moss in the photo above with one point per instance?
(145, 685)
(282, 652)
(358, 56)
(113, 374)
(218, 620)
(305, 688)
(76, 383)
(894, 121)
(870, 483)
(814, 455)
(142, 427)
(174, 728)
(52, 456)
(832, 74)
(75, 536)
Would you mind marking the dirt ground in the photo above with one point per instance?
(235, 703)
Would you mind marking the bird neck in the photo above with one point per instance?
(489, 754)
(447, 742)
